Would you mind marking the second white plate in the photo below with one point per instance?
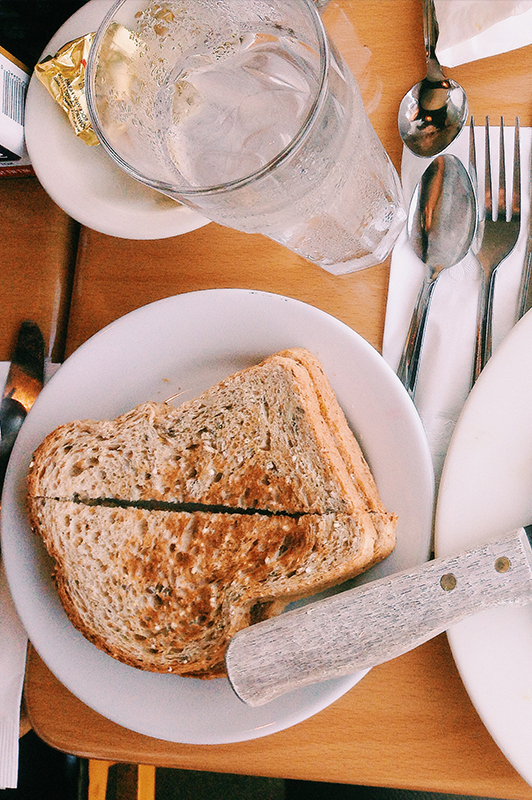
(486, 490)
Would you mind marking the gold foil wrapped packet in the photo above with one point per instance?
(64, 77)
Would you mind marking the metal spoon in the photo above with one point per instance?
(441, 224)
(434, 111)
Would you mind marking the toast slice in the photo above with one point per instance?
(166, 590)
(257, 440)
(172, 528)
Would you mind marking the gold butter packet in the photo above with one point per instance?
(64, 77)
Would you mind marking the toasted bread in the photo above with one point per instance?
(172, 528)
(166, 590)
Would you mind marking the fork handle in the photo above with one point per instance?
(525, 291)
(484, 342)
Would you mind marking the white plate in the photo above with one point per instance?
(189, 342)
(83, 180)
(486, 490)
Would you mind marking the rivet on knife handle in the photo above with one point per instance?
(362, 627)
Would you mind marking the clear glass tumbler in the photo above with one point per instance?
(246, 112)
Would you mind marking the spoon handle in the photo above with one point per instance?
(431, 30)
(409, 364)
(431, 33)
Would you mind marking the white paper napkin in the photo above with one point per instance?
(474, 29)
(13, 644)
(446, 367)
(13, 647)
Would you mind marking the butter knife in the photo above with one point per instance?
(359, 628)
(524, 302)
(24, 382)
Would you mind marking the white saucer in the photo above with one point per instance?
(83, 180)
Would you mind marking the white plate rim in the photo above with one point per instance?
(81, 179)
(259, 323)
(493, 650)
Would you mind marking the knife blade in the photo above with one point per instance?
(24, 382)
(524, 302)
(373, 623)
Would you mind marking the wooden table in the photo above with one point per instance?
(409, 723)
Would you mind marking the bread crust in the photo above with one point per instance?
(349, 449)
(172, 528)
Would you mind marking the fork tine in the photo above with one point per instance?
(473, 174)
(501, 205)
(499, 237)
(516, 192)
(488, 201)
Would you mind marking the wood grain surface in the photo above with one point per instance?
(38, 245)
(409, 723)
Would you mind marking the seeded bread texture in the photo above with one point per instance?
(255, 440)
(172, 528)
(165, 590)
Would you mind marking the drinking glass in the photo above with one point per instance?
(246, 112)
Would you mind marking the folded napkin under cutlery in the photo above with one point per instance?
(445, 372)
(468, 30)
(475, 29)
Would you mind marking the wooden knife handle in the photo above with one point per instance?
(359, 628)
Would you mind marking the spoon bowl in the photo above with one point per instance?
(441, 224)
(434, 111)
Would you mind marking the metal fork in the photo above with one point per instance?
(497, 237)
